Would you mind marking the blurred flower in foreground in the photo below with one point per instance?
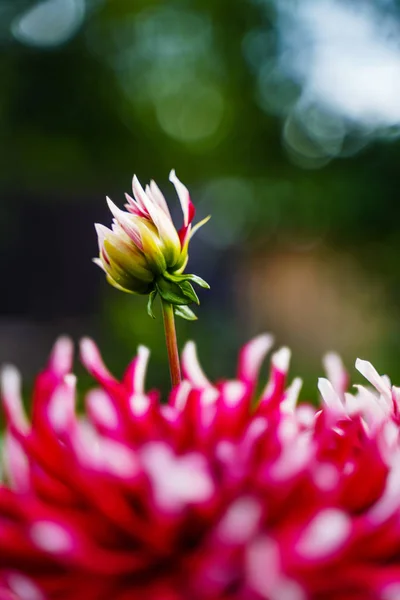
(144, 253)
(218, 494)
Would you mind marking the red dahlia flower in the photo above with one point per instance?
(218, 494)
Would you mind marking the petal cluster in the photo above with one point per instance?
(143, 253)
(223, 492)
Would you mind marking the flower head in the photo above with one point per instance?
(143, 253)
(219, 494)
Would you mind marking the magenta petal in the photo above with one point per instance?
(218, 494)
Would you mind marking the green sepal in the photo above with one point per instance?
(171, 292)
(150, 303)
(185, 313)
(187, 277)
(198, 280)
(189, 292)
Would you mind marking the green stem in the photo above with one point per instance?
(171, 341)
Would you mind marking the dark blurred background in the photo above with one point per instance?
(283, 119)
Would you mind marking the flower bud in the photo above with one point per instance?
(143, 253)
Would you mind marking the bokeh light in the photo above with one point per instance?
(49, 23)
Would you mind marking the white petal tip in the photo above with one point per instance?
(102, 232)
(88, 350)
(324, 384)
(262, 343)
(329, 395)
(98, 263)
(332, 360)
(143, 351)
(10, 380)
(191, 366)
(113, 207)
(281, 359)
(62, 355)
(361, 364)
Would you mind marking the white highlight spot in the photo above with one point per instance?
(240, 521)
(176, 480)
(281, 359)
(305, 414)
(209, 396)
(391, 592)
(49, 23)
(324, 535)
(51, 537)
(139, 404)
(233, 392)
(23, 588)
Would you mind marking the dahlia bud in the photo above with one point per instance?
(143, 253)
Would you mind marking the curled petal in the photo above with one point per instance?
(184, 198)
(252, 356)
(191, 367)
(135, 375)
(91, 358)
